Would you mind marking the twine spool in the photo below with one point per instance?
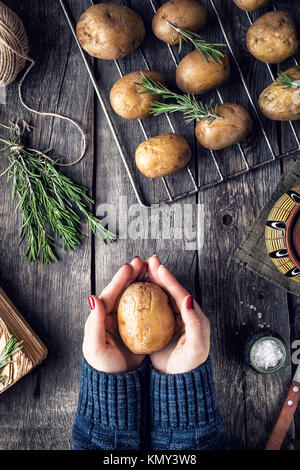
(14, 48)
(12, 34)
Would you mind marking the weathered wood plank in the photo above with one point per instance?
(287, 142)
(42, 406)
(113, 183)
(231, 296)
(38, 412)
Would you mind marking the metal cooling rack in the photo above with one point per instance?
(222, 178)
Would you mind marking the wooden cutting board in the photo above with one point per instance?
(33, 351)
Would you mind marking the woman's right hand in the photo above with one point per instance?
(103, 347)
(189, 347)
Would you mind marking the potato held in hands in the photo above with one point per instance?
(110, 31)
(145, 318)
(232, 126)
(251, 5)
(196, 75)
(280, 103)
(162, 155)
(273, 37)
(126, 96)
(184, 14)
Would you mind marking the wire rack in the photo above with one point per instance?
(194, 186)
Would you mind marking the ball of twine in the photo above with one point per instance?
(13, 38)
(14, 48)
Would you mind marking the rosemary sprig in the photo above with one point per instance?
(207, 50)
(11, 347)
(185, 103)
(47, 200)
(283, 80)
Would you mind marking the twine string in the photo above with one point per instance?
(16, 148)
(13, 38)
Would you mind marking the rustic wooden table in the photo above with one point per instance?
(38, 412)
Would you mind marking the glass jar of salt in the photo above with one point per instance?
(266, 352)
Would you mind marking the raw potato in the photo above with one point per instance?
(279, 103)
(126, 99)
(251, 5)
(221, 133)
(273, 37)
(145, 318)
(185, 14)
(162, 155)
(110, 31)
(196, 75)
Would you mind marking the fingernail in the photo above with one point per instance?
(91, 302)
(190, 302)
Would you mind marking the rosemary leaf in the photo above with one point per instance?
(11, 347)
(207, 50)
(284, 81)
(184, 103)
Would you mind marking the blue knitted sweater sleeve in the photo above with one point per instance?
(145, 409)
(110, 409)
(184, 411)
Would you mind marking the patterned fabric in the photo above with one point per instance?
(145, 409)
(252, 252)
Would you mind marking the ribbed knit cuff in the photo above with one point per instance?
(112, 400)
(183, 400)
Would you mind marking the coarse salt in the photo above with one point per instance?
(267, 354)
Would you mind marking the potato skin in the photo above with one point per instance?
(273, 37)
(145, 318)
(279, 103)
(185, 14)
(195, 75)
(251, 5)
(110, 31)
(222, 133)
(162, 155)
(126, 100)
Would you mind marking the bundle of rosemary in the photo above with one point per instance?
(191, 108)
(47, 200)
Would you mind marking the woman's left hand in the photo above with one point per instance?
(103, 347)
(189, 347)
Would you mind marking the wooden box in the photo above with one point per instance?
(33, 351)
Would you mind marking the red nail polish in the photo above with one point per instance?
(190, 302)
(91, 302)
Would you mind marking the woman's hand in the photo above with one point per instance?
(189, 347)
(103, 347)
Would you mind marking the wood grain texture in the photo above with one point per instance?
(38, 412)
(287, 141)
(232, 296)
